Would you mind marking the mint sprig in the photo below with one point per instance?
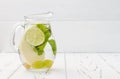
(40, 49)
(46, 31)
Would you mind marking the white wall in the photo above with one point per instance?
(80, 9)
(93, 25)
(76, 36)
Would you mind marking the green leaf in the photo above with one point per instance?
(39, 49)
(43, 27)
(53, 45)
(46, 30)
(47, 35)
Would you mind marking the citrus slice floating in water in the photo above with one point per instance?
(42, 64)
(38, 64)
(48, 63)
(28, 54)
(35, 36)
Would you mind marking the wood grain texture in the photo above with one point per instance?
(93, 66)
(78, 66)
(11, 68)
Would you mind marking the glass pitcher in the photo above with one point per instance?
(37, 46)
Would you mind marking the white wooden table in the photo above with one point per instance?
(68, 66)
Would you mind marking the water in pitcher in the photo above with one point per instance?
(37, 48)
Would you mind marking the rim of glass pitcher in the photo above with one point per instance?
(39, 16)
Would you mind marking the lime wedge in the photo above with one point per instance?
(42, 64)
(35, 36)
(48, 63)
(38, 64)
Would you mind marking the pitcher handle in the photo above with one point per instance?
(13, 35)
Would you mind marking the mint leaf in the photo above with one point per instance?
(53, 46)
(47, 35)
(39, 49)
(46, 30)
(43, 27)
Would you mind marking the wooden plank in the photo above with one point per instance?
(15, 70)
(93, 66)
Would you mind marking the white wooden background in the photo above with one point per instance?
(93, 25)
(80, 9)
(77, 66)
(75, 36)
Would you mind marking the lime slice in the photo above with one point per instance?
(42, 64)
(35, 36)
(48, 63)
(38, 64)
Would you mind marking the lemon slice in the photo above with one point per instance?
(35, 36)
(28, 54)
